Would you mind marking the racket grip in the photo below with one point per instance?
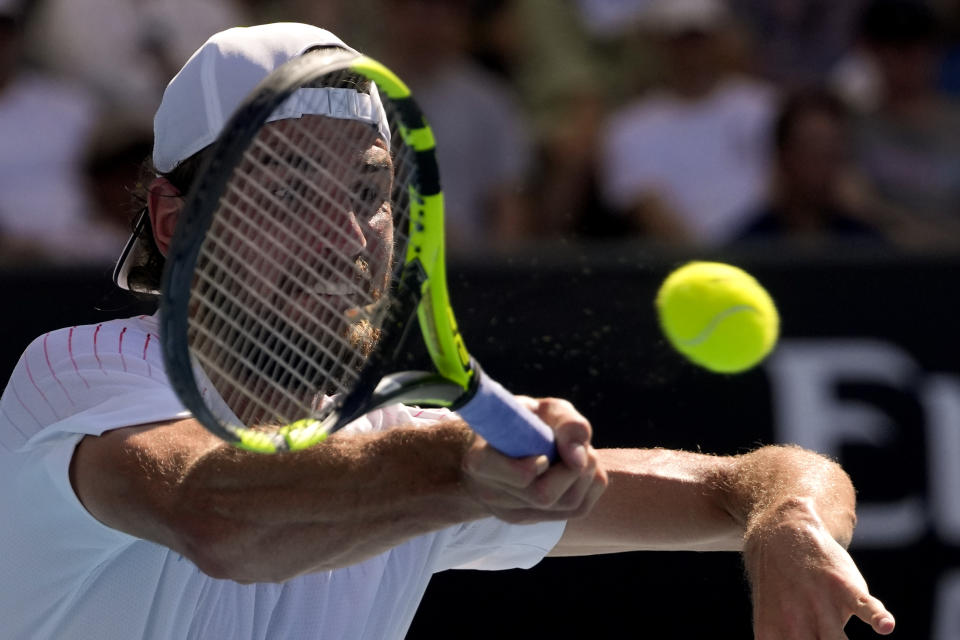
(509, 427)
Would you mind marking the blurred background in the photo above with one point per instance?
(587, 147)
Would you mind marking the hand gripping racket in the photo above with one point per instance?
(311, 237)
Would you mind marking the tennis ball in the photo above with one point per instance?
(718, 316)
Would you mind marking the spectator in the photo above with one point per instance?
(949, 12)
(45, 124)
(688, 162)
(798, 43)
(814, 195)
(356, 19)
(909, 147)
(483, 142)
(566, 80)
(125, 50)
(605, 18)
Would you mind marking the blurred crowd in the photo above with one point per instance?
(689, 123)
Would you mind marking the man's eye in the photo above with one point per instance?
(288, 191)
(283, 194)
(368, 196)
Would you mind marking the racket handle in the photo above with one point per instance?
(507, 425)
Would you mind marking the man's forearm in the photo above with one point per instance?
(677, 500)
(251, 517)
(658, 499)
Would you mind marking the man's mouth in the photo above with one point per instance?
(336, 296)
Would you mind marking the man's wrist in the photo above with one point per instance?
(796, 516)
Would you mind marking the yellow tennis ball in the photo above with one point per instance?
(718, 316)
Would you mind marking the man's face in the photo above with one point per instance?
(313, 221)
(311, 227)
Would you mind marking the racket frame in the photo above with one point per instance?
(425, 268)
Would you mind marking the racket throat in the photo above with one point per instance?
(420, 388)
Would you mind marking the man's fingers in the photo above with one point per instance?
(872, 611)
(574, 455)
(562, 487)
(572, 431)
(532, 483)
(486, 463)
(588, 487)
(524, 487)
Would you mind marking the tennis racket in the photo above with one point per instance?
(306, 249)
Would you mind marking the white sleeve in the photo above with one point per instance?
(70, 383)
(494, 545)
(87, 380)
(49, 507)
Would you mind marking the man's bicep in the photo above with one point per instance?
(127, 478)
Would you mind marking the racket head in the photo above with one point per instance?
(305, 246)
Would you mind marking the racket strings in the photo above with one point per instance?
(299, 266)
(283, 306)
(223, 306)
(260, 394)
(274, 339)
(259, 399)
(271, 341)
(302, 198)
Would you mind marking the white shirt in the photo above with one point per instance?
(707, 159)
(63, 574)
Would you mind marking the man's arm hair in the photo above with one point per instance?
(675, 500)
(251, 517)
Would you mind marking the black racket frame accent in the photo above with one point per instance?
(197, 215)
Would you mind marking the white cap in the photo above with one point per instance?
(677, 16)
(215, 80)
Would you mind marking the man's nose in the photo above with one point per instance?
(349, 237)
(338, 230)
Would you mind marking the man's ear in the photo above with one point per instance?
(165, 203)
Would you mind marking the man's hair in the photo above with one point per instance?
(147, 273)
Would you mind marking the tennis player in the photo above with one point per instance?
(124, 518)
